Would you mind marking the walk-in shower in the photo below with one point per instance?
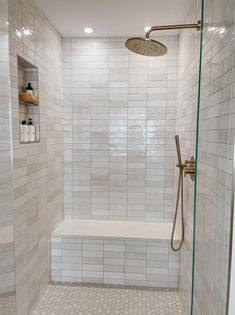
(123, 204)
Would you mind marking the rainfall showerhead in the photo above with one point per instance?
(150, 47)
(146, 46)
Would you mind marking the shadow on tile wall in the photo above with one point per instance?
(7, 267)
(37, 167)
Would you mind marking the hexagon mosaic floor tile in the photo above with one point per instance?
(94, 299)
(8, 305)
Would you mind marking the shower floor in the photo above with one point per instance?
(7, 304)
(95, 299)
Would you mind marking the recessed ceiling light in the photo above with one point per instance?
(147, 28)
(88, 30)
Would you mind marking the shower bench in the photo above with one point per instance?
(114, 252)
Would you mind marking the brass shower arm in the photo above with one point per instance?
(172, 27)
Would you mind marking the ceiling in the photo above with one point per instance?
(112, 17)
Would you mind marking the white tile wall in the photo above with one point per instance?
(119, 129)
(120, 118)
(187, 92)
(37, 168)
(114, 261)
(215, 160)
(7, 262)
(215, 154)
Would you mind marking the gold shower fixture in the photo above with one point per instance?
(150, 47)
(186, 168)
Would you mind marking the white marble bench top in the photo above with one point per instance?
(114, 229)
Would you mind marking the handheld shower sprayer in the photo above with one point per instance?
(188, 167)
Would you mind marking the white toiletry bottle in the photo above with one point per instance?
(24, 132)
(32, 131)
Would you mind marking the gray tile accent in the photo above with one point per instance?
(112, 261)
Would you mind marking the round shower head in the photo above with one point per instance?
(146, 46)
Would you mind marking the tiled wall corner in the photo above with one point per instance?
(37, 168)
(7, 250)
(216, 130)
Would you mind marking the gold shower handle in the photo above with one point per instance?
(191, 161)
(189, 168)
(189, 165)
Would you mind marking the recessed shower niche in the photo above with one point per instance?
(29, 115)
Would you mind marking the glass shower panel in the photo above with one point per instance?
(231, 272)
(215, 136)
(7, 275)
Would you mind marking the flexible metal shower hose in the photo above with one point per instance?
(180, 193)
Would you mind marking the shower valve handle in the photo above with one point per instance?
(192, 161)
(189, 168)
(189, 172)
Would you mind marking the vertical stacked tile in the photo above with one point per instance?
(162, 265)
(114, 259)
(156, 136)
(137, 101)
(173, 267)
(188, 64)
(128, 120)
(99, 128)
(216, 134)
(81, 138)
(92, 259)
(71, 259)
(157, 263)
(118, 100)
(118, 261)
(56, 258)
(37, 168)
(68, 128)
(7, 248)
(171, 106)
(135, 262)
